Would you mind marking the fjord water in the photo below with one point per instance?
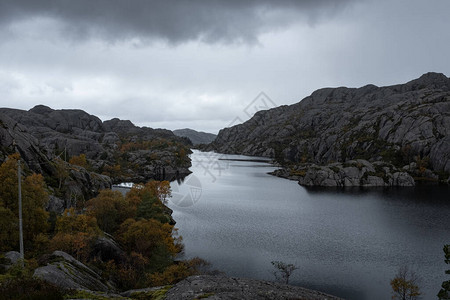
(349, 243)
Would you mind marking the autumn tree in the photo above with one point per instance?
(75, 233)
(150, 208)
(283, 271)
(444, 293)
(79, 160)
(9, 233)
(405, 285)
(8, 178)
(152, 239)
(34, 199)
(110, 208)
(158, 189)
(171, 275)
(150, 200)
(112, 171)
(163, 190)
(72, 222)
(62, 171)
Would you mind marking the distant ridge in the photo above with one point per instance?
(196, 137)
(406, 126)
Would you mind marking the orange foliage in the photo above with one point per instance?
(159, 189)
(171, 275)
(34, 199)
(8, 178)
(177, 272)
(71, 222)
(74, 234)
(112, 171)
(79, 160)
(110, 208)
(145, 236)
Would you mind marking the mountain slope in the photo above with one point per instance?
(115, 148)
(197, 137)
(400, 124)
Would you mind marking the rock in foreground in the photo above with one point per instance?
(68, 273)
(222, 287)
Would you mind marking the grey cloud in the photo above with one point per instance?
(210, 21)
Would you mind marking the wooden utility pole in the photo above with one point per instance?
(19, 175)
(20, 213)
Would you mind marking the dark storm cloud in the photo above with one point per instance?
(210, 21)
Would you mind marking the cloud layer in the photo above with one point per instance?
(209, 21)
(198, 64)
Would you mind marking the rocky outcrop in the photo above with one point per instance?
(105, 248)
(81, 182)
(56, 204)
(400, 125)
(56, 130)
(116, 148)
(13, 257)
(68, 273)
(8, 260)
(196, 137)
(352, 173)
(222, 287)
(14, 135)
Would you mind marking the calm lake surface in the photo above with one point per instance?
(349, 243)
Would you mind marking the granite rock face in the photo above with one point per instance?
(398, 124)
(67, 272)
(222, 287)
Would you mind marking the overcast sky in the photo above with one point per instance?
(199, 64)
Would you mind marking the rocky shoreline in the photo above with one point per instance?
(352, 173)
(358, 173)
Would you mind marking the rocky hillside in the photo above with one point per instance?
(197, 137)
(110, 151)
(406, 127)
